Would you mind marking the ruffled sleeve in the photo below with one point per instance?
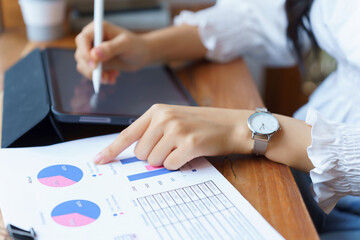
(234, 28)
(335, 154)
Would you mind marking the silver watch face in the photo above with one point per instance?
(263, 123)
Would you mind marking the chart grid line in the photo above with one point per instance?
(187, 208)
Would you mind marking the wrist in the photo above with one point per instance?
(154, 50)
(174, 43)
(241, 140)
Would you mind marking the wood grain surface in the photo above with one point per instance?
(268, 186)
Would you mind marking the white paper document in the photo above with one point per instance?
(62, 194)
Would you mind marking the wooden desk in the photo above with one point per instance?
(268, 186)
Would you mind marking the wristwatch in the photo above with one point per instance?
(262, 125)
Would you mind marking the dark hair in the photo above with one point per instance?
(297, 12)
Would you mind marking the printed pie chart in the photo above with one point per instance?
(75, 213)
(60, 175)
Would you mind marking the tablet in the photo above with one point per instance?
(72, 95)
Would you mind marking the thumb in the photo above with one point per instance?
(109, 49)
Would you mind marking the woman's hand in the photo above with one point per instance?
(120, 50)
(124, 50)
(173, 135)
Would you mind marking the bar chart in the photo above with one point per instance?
(129, 160)
(149, 174)
(147, 171)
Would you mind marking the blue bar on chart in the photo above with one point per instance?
(149, 174)
(130, 160)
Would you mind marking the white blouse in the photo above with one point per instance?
(257, 28)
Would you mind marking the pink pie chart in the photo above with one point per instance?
(75, 213)
(61, 175)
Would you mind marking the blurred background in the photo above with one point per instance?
(283, 89)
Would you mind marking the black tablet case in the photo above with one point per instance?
(27, 119)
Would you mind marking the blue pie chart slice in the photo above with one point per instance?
(62, 175)
(75, 213)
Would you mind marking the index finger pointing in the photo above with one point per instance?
(127, 137)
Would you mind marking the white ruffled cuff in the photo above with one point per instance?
(226, 30)
(335, 154)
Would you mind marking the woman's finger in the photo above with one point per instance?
(83, 68)
(148, 141)
(177, 158)
(84, 42)
(111, 76)
(127, 137)
(161, 151)
(111, 48)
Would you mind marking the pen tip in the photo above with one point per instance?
(94, 101)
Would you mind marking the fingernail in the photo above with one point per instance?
(99, 52)
(91, 64)
(98, 158)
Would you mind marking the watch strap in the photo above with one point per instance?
(260, 145)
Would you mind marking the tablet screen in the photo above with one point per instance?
(132, 95)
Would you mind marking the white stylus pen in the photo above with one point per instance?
(98, 36)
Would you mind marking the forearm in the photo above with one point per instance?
(174, 43)
(287, 146)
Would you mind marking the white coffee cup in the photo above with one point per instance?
(44, 19)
